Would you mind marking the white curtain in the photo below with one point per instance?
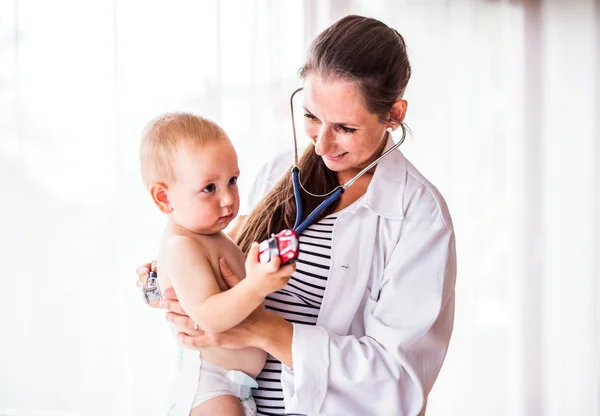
(504, 105)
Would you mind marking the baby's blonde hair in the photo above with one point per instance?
(164, 134)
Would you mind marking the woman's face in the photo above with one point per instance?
(345, 134)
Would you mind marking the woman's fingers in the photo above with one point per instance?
(194, 342)
(228, 275)
(205, 340)
(143, 273)
(172, 305)
(144, 268)
(180, 320)
(188, 331)
(169, 293)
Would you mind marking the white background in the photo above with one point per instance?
(504, 105)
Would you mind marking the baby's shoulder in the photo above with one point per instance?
(178, 246)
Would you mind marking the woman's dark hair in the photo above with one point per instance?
(357, 49)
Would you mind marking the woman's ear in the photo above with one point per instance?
(397, 113)
(159, 192)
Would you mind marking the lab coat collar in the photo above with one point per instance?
(385, 193)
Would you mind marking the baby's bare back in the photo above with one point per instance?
(249, 360)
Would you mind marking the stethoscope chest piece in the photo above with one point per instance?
(151, 292)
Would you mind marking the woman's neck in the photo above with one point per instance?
(358, 188)
(354, 192)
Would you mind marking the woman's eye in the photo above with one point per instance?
(210, 188)
(233, 180)
(310, 116)
(348, 130)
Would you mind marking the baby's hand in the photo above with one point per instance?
(267, 277)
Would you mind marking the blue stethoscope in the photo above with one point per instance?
(333, 195)
(271, 246)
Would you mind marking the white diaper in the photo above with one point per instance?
(215, 381)
(197, 381)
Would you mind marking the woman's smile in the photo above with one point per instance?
(335, 157)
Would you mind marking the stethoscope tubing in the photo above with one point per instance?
(299, 225)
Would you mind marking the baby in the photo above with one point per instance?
(190, 168)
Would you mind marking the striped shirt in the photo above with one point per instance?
(298, 302)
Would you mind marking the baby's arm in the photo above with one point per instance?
(194, 282)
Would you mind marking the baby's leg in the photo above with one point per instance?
(226, 405)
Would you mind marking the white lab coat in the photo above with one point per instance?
(388, 309)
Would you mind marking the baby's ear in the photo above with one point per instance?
(160, 196)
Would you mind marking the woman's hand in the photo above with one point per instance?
(143, 273)
(169, 298)
(261, 329)
(240, 336)
(191, 336)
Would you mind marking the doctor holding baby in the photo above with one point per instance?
(361, 325)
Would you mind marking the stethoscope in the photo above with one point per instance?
(285, 243)
(333, 195)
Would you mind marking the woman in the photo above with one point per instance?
(364, 324)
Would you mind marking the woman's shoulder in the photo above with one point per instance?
(268, 174)
(278, 165)
(423, 199)
(399, 191)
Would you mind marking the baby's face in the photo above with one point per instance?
(204, 195)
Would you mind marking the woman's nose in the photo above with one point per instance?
(323, 141)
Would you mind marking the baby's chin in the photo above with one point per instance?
(215, 226)
(218, 225)
(226, 219)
